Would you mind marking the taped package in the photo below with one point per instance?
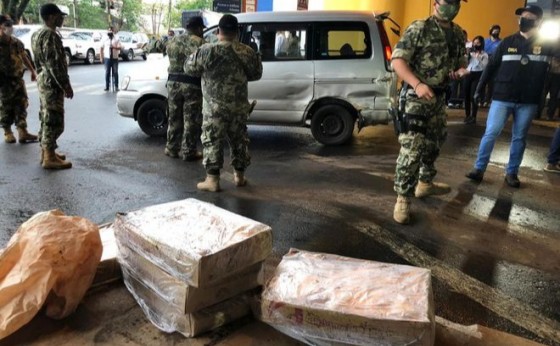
(194, 241)
(183, 297)
(169, 318)
(323, 299)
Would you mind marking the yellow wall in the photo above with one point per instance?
(476, 16)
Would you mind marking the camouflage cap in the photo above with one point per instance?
(195, 22)
(50, 9)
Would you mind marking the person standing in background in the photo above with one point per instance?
(491, 43)
(13, 95)
(553, 165)
(478, 59)
(110, 51)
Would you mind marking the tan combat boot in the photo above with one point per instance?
(401, 214)
(58, 156)
(239, 178)
(211, 183)
(428, 189)
(25, 137)
(51, 161)
(9, 135)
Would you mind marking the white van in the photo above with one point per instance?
(323, 69)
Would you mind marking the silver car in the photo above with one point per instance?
(326, 70)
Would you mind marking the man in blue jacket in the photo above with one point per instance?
(519, 66)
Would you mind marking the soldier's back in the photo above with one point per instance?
(179, 48)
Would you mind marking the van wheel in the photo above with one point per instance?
(130, 55)
(152, 117)
(332, 125)
(90, 57)
(68, 57)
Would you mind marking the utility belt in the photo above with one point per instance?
(183, 78)
(406, 122)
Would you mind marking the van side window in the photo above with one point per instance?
(341, 40)
(277, 42)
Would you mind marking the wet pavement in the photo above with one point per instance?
(494, 251)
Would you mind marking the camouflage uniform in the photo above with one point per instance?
(184, 98)
(13, 95)
(432, 52)
(225, 68)
(52, 80)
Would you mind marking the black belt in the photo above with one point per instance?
(183, 78)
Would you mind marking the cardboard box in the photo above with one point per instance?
(177, 293)
(108, 269)
(195, 241)
(328, 299)
(169, 318)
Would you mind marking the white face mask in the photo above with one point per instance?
(9, 31)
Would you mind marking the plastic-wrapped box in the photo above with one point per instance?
(324, 299)
(182, 296)
(169, 318)
(195, 241)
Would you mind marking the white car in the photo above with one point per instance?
(132, 45)
(332, 75)
(24, 33)
(84, 45)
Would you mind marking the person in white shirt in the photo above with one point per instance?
(478, 59)
(110, 50)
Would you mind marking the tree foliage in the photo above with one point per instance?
(14, 8)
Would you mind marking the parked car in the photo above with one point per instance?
(335, 72)
(24, 33)
(132, 45)
(84, 45)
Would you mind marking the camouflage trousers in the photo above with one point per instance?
(184, 108)
(218, 128)
(13, 103)
(51, 112)
(420, 147)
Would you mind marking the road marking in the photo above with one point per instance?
(493, 299)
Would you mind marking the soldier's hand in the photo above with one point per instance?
(69, 92)
(423, 91)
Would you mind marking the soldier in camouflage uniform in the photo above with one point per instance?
(225, 67)
(428, 55)
(184, 94)
(13, 95)
(53, 83)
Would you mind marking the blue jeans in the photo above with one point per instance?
(497, 116)
(554, 154)
(111, 67)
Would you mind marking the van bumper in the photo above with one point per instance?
(369, 117)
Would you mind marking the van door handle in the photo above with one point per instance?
(385, 79)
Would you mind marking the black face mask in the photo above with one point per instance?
(110, 34)
(526, 24)
(495, 35)
(477, 48)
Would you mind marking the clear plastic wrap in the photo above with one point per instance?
(169, 318)
(182, 296)
(195, 241)
(324, 299)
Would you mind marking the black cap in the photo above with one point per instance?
(5, 19)
(534, 9)
(195, 22)
(51, 9)
(228, 23)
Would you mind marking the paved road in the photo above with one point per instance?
(494, 251)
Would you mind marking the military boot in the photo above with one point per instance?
(211, 183)
(51, 161)
(24, 136)
(401, 214)
(239, 178)
(428, 189)
(58, 156)
(9, 135)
